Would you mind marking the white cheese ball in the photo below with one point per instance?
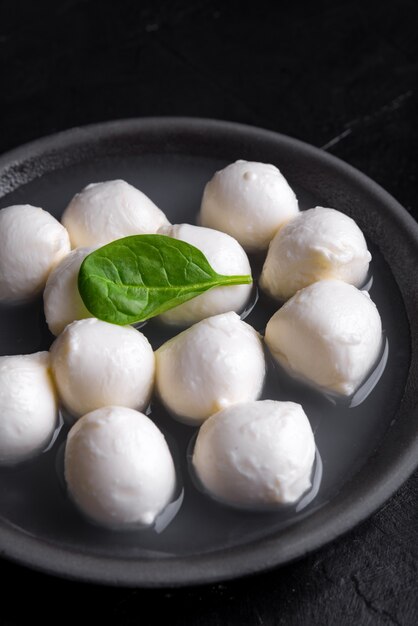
(118, 467)
(103, 212)
(32, 243)
(249, 201)
(62, 301)
(217, 362)
(28, 406)
(256, 455)
(97, 364)
(317, 244)
(227, 257)
(329, 333)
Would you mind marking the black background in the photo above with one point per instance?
(341, 75)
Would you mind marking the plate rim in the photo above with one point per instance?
(259, 555)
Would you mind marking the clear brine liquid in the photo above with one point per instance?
(346, 431)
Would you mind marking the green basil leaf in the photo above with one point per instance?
(132, 279)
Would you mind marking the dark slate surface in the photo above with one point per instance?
(338, 74)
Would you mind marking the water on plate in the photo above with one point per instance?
(346, 431)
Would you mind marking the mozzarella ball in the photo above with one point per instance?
(256, 454)
(329, 333)
(103, 212)
(28, 406)
(217, 362)
(32, 243)
(317, 244)
(118, 467)
(97, 364)
(249, 201)
(227, 257)
(62, 301)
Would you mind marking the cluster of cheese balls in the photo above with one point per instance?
(248, 453)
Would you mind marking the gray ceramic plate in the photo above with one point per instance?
(367, 451)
